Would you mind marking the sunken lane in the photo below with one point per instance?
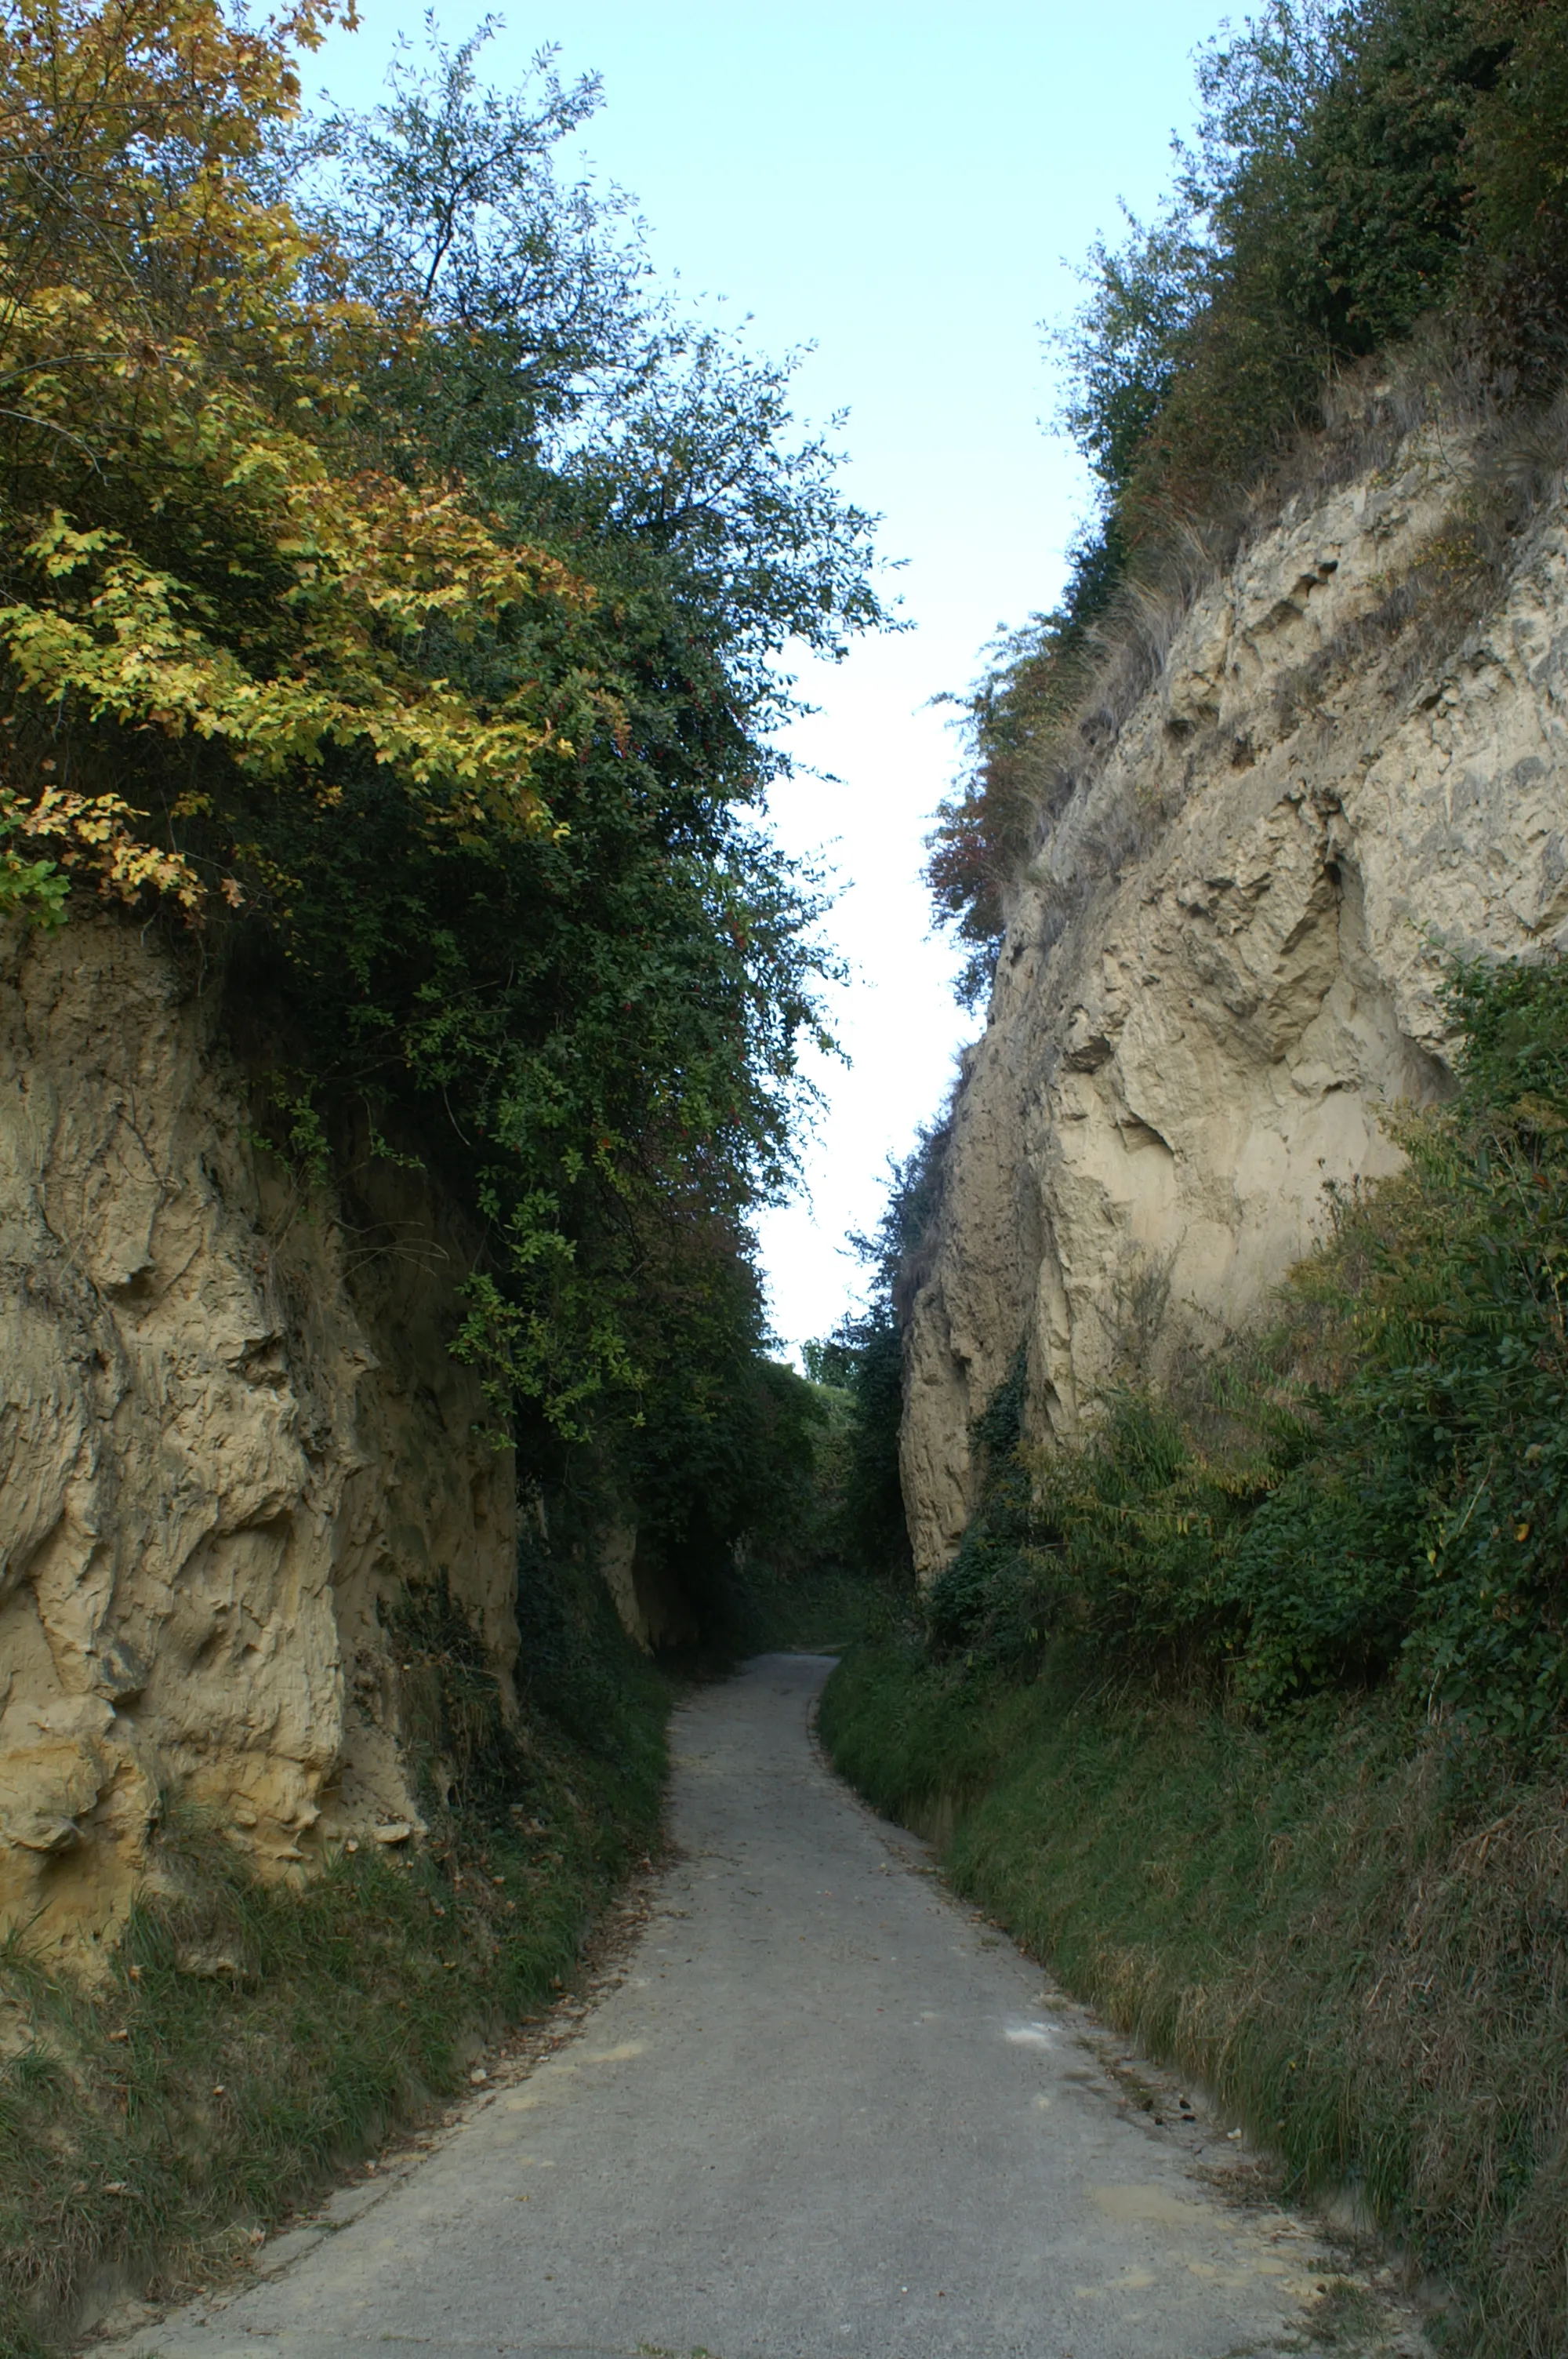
(827, 2110)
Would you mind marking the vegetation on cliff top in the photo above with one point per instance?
(1361, 170)
(391, 595)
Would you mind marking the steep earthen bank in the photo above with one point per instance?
(231, 1434)
(1224, 964)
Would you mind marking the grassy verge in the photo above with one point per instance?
(251, 2040)
(1358, 1942)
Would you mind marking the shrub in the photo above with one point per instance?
(1378, 1489)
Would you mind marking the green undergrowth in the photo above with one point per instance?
(251, 2040)
(1251, 1712)
(1372, 1489)
(1358, 1943)
(811, 1609)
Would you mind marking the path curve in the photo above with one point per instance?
(827, 2112)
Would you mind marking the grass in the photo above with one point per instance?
(251, 2040)
(1356, 1939)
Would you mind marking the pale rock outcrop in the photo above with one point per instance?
(651, 1608)
(1309, 809)
(231, 1434)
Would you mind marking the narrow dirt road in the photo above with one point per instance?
(827, 2112)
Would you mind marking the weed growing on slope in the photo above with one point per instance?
(1253, 1715)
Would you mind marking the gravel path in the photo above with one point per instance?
(827, 2111)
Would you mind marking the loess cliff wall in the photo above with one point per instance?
(1223, 967)
(231, 1434)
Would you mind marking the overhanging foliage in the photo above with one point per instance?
(392, 602)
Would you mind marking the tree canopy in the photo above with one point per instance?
(394, 591)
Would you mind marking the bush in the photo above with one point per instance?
(863, 1359)
(1378, 1489)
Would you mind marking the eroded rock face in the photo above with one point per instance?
(1306, 812)
(230, 1428)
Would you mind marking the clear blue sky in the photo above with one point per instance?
(906, 187)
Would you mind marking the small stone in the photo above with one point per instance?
(477, 2075)
(398, 1832)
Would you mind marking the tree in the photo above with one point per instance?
(197, 555)
(394, 592)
